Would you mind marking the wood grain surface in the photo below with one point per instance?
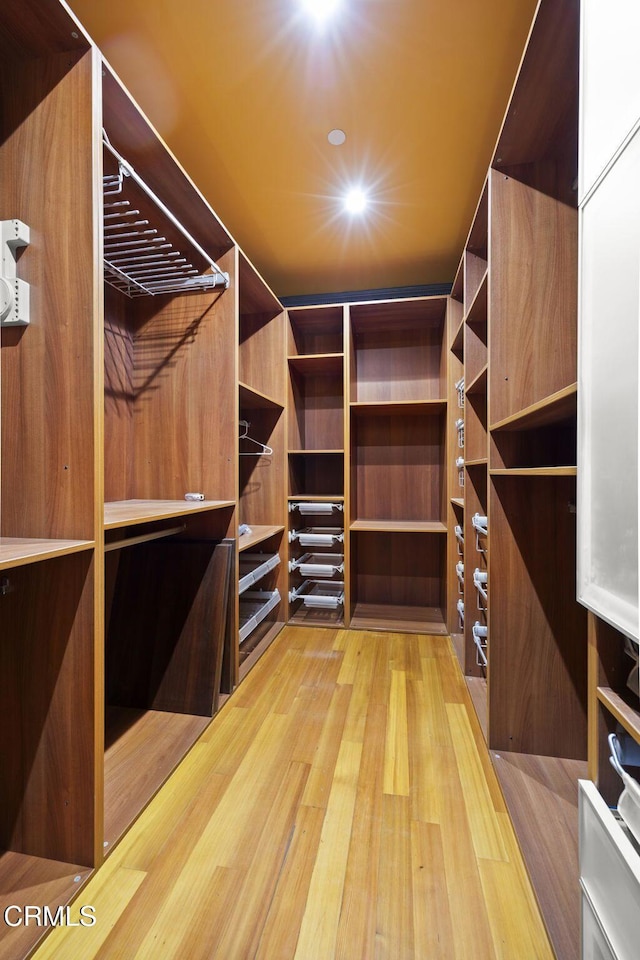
(341, 805)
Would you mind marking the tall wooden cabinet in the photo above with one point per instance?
(123, 484)
(512, 608)
(50, 517)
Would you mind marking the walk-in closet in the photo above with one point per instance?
(318, 601)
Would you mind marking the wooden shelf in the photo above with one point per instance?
(399, 526)
(257, 535)
(127, 513)
(553, 409)
(304, 453)
(317, 618)
(480, 462)
(18, 551)
(26, 880)
(142, 748)
(395, 617)
(318, 363)
(478, 384)
(393, 407)
(535, 472)
(252, 399)
(542, 798)
(622, 707)
(477, 312)
(457, 501)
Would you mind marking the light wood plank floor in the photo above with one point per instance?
(341, 805)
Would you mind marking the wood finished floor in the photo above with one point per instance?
(342, 804)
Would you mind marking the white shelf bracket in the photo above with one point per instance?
(14, 293)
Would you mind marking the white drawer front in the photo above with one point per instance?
(610, 874)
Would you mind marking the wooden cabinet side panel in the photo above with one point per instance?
(538, 639)
(262, 353)
(47, 180)
(167, 628)
(184, 412)
(533, 295)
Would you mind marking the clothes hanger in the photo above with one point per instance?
(264, 449)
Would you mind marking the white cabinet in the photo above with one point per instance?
(609, 83)
(609, 308)
(610, 881)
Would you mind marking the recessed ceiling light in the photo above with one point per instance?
(321, 9)
(336, 137)
(356, 200)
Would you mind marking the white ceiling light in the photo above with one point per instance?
(321, 9)
(336, 137)
(355, 201)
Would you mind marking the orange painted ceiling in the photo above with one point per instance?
(245, 93)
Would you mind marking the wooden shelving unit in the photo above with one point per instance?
(50, 446)
(259, 533)
(129, 513)
(397, 353)
(318, 453)
(515, 298)
(262, 397)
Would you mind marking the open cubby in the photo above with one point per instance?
(397, 582)
(319, 474)
(538, 682)
(475, 352)
(613, 703)
(398, 350)
(316, 410)
(533, 295)
(47, 750)
(164, 440)
(476, 252)
(476, 555)
(475, 426)
(552, 445)
(397, 467)
(168, 627)
(261, 334)
(316, 330)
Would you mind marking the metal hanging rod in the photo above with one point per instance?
(126, 263)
